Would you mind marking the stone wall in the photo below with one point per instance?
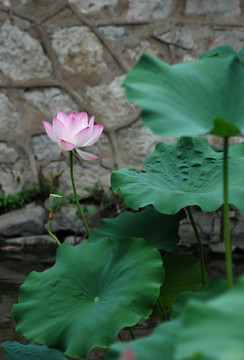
(73, 55)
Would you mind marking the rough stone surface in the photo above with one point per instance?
(85, 175)
(204, 222)
(8, 154)
(234, 38)
(45, 148)
(21, 56)
(133, 53)
(78, 50)
(13, 176)
(50, 101)
(113, 32)
(23, 221)
(143, 9)
(227, 8)
(7, 122)
(191, 39)
(67, 219)
(138, 143)
(73, 240)
(93, 5)
(119, 110)
(38, 241)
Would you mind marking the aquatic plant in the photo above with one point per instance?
(127, 268)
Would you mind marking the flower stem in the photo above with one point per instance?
(199, 242)
(131, 333)
(75, 194)
(50, 232)
(120, 337)
(161, 312)
(227, 236)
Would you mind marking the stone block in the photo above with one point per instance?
(8, 154)
(49, 101)
(137, 142)
(234, 38)
(144, 9)
(227, 8)
(21, 56)
(110, 103)
(86, 174)
(25, 221)
(91, 6)
(113, 32)
(45, 148)
(78, 50)
(38, 241)
(67, 219)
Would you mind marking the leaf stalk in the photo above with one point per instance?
(199, 242)
(227, 235)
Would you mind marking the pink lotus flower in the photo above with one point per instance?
(128, 354)
(73, 132)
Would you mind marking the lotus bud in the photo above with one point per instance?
(55, 201)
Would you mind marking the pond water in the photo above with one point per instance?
(15, 266)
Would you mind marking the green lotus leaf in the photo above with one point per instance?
(185, 173)
(223, 50)
(92, 291)
(208, 329)
(17, 351)
(157, 346)
(191, 98)
(182, 273)
(213, 329)
(158, 229)
(211, 289)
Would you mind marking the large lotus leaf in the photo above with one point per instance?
(213, 329)
(211, 289)
(159, 345)
(92, 291)
(182, 273)
(158, 229)
(188, 172)
(17, 351)
(223, 50)
(207, 330)
(191, 98)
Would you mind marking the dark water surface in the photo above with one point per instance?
(15, 266)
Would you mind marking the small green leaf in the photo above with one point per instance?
(158, 229)
(185, 173)
(186, 99)
(92, 291)
(181, 273)
(17, 351)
